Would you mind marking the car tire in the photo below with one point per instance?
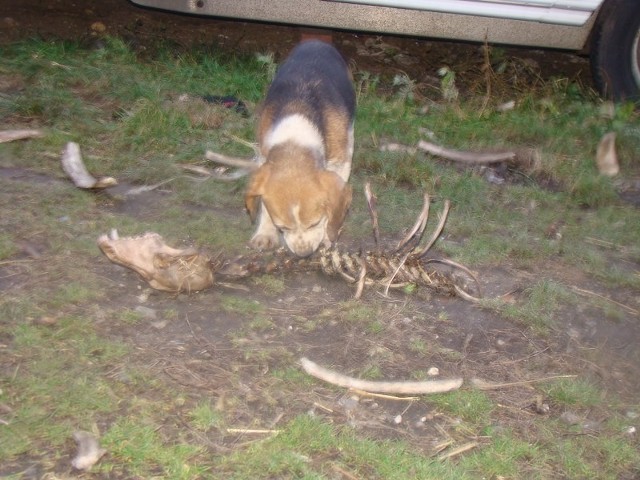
(615, 50)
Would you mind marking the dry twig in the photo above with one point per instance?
(484, 385)
(457, 451)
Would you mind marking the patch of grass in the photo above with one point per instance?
(295, 376)
(241, 305)
(301, 450)
(73, 293)
(7, 246)
(541, 305)
(130, 317)
(418, 345)
(270, 283)
(138, 450)
(204, 416)
(507, 457)
(574, 392)
(358, 313)
(62, 386)
(473, 406)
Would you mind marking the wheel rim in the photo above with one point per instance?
(635, 58)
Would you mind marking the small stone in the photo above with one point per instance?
(397, 419)
(433, 372)
(316, 289)
(631, 431)
(98, 27)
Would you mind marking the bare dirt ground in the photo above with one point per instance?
(194, 349)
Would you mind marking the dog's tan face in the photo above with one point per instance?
(307, 206)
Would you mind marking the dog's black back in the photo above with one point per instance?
(314, 76)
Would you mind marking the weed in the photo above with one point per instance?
(448, 87)
(474, 406)
(574, 392)
(540, 307)
(273, 285)
(204, 416)
(7, 247)
(240, 305)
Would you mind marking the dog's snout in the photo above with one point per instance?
(300, 246)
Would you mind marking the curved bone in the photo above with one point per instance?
(407, 388)
(75, 168)
(466, 157)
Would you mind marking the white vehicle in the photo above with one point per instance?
(608, 29)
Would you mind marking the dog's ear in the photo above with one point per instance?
(255, 190)
(339, 201)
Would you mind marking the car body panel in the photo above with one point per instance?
(400, 19)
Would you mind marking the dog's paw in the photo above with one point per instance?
(264, 242)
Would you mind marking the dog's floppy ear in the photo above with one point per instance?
(255, 190)
(338, 203)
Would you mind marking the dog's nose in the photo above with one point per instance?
(303, 251)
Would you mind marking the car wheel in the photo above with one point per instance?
(615, 50)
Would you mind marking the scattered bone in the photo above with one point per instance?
(409, 388)
(12, 135)
(89, 451)
(466, 157)
(74, 167)
(527, 159)
(606, 156)
(164, 267)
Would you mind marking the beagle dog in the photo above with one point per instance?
(299, 194)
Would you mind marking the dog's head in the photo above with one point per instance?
(307, 205)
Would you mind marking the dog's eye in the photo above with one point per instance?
(314, 225)
(282, 228)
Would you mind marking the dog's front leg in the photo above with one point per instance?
(266, 236)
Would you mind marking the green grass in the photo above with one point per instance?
(541, 307)
(164, 413)
(61, 387)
